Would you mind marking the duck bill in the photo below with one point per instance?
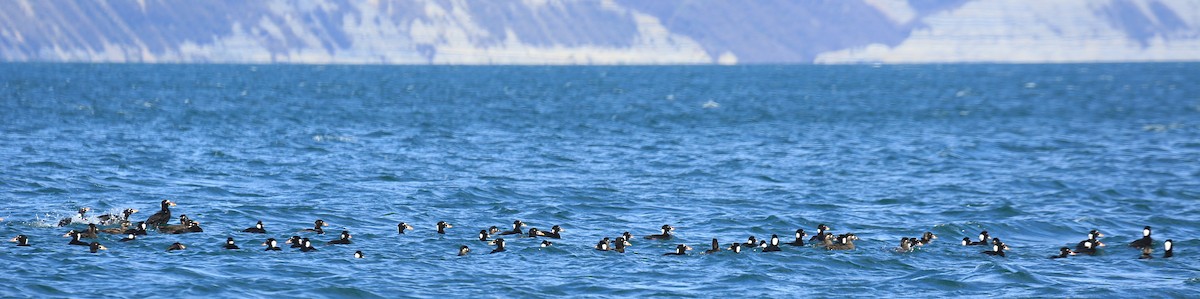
(170, 203)
(101, 247)
(1100, 244)
(67, 235)
(408, 227)
(687, 247)
(14, 239)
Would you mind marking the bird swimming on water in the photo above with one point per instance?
(1063, 253)
(799, 241)
(163, 215)
(680, 249)
(715, 247)
(272, 245)
(1145, 241)
(499, 242)
(665, 235)
(95, 246)
(400, 228)
(229, 243)
(257, 229)
(318, 227)
(516, 230)
(21, 240)
(343, 239)
(773, 245)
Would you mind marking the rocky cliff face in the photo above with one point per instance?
(598, 32)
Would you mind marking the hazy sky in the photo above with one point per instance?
(600, 32)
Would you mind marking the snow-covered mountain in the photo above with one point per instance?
(598, 32)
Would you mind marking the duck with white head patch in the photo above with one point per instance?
(499, 242)
(983, 239)
(295, 241)
(799, 241)
(318, 227)
(1145, 241)
(21, 240)
(844, 242)
(665, 235)
(271, 245)
(306, 245)
(139, 229)
(821, 233)
(1089, 248)
(343, 239)
(603, 245)
(229, 245)
(257, 229)
(1063, 253)
(516, 230)
(554, 233)
(1169, 247)
(773, 245)
(1093, 236)
(680, 249)
(74, 235)
(751, 242)
(997, 250)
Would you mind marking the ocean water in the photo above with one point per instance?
(1037, 155)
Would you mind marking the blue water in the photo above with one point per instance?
(1035, 154)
